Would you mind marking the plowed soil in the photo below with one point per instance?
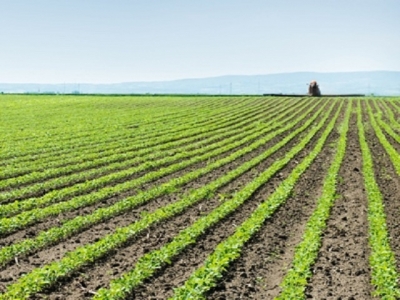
(341, 270)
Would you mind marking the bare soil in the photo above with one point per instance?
(342, 268)
(26, 264)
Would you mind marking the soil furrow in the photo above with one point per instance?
(57, 220)
(161, 285)
(267, 256)
(92, 234)
(189, 216)
(342, 270)
(389, 184)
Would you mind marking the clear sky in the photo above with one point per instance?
(99, 41)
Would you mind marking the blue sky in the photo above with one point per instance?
(98, 41)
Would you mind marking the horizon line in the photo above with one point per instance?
(194, 78)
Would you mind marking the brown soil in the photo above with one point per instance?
(57, 220)
(342, 270)
(92, 234)
(124, 259)
(389, 184)
(267, 256)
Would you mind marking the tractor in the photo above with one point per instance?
(313, 89)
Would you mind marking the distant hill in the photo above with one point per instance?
(375, 82)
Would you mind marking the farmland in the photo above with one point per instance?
(109, 197)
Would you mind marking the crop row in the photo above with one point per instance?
(138, 131)
(390, 150)
(383, 268)
(8, 225)
(137, 151)
(125, 152)
(227, 251)
(41, 277)
(294, 283)
(78, 223)
(114, 143)
(397, 119)
(389, 112)
(133, 109)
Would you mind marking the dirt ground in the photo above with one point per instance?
(342, 268)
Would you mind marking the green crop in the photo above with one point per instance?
(47, 275)
(148, 264)
(205, 277)
(295, 281)
(383, 267)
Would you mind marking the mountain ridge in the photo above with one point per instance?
(370, 82)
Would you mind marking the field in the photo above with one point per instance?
(126, 197)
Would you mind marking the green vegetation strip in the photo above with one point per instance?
(109, 144)
(42, 169)
(8, 225)
(390, 150)
(205, 277)
(389, 112)
(47, 275)
(149, 263)
(383, 266)
(79, 223)
(395, 121)
(149, 119)
(146, 154)
(294, 283)
(142, 129)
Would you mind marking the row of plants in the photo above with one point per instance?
(148, 163)
(153, 127)
(120, 144)
(396, 104)
(154, 158)
(390, 115)
(105, 157)
(383, 266)
(390, 150)
(45, 276)
(41, 139)
(79, 223)
(129, 152)
(77, 109)
(203, 278)
(75, 173)
(8, 225)
(104, 136)
(37, 130)
(295, 281)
